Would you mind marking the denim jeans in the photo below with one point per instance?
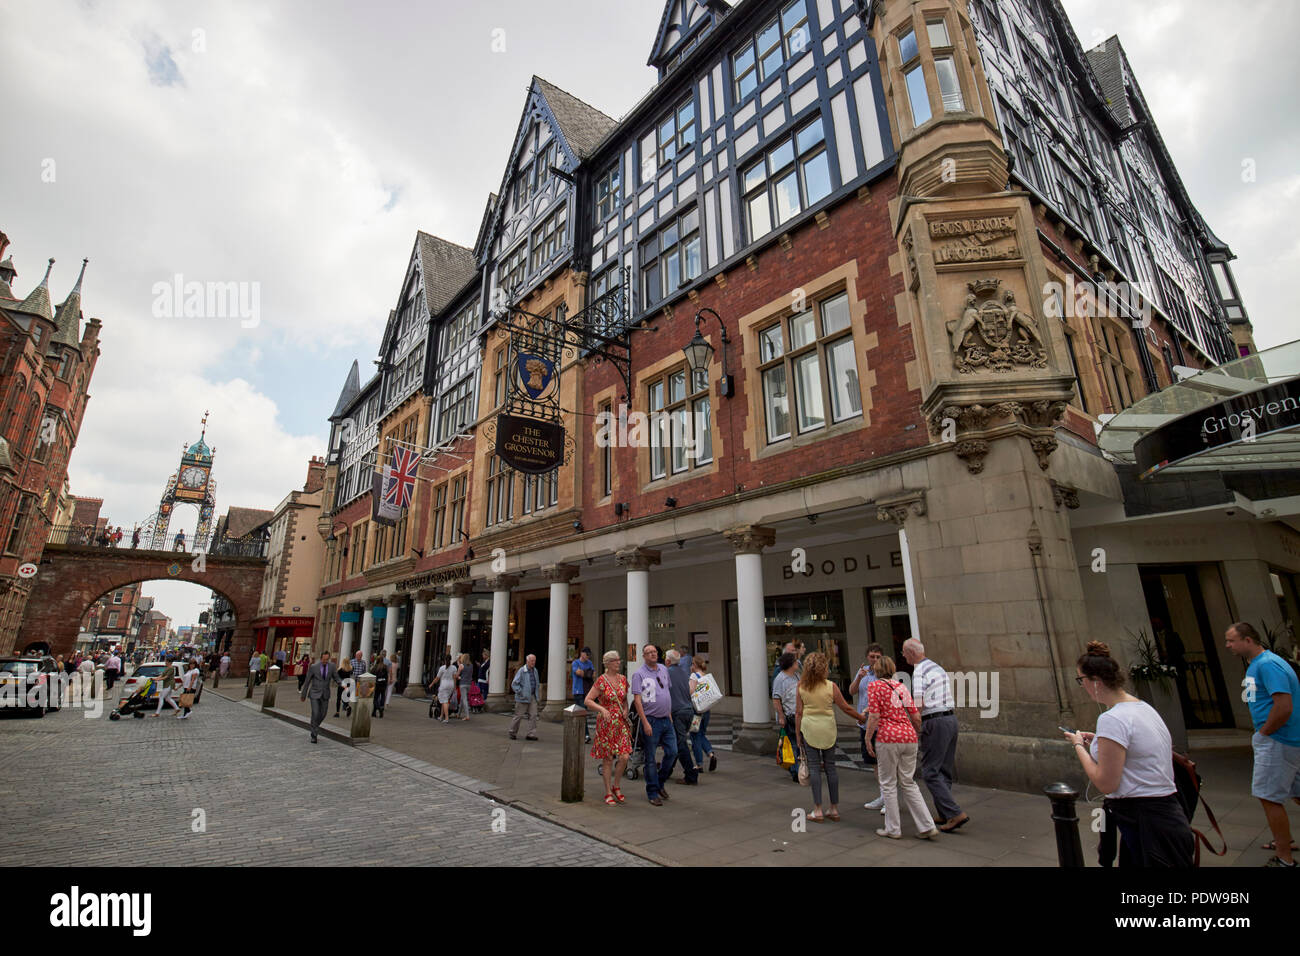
(819, 762)
(682, 727)
(662, 734)
(700, 742)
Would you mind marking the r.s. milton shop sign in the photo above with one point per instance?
(530, 445)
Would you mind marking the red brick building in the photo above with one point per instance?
(46, 362)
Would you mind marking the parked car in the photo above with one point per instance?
(153, 669)
(20, 677)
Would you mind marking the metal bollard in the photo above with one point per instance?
(1069, 850)
(575, 730)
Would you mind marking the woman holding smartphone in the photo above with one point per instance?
(1130, 760)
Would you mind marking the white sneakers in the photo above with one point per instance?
(876, 804)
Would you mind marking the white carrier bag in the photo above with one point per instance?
(706, 693)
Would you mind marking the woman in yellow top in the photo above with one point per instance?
(814, 721)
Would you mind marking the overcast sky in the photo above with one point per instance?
(295, 148)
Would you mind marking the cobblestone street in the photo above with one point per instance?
(86, 792)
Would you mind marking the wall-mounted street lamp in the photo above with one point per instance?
(699, 353)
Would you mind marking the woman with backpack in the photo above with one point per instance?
(1130, 760)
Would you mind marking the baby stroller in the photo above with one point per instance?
(137, 703)
(476, 702)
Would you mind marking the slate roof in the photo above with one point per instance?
(581, 124)
(68, 321)
(351, 389)
(446, 267)
(1108, 67)
(38, 300)
(240, 521)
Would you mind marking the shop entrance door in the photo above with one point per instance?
(537, 631)
(1180, 626)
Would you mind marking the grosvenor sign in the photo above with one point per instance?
(530, 445)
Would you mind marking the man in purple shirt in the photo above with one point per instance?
(653, 700)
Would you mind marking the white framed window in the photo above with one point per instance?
(670, 259)
(607, 194)
(681, 419)
(793, 176)
(808, 368)
(780, 40)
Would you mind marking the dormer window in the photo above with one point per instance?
(779, 41)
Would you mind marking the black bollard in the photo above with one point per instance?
(1069, 850)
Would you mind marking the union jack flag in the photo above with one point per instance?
(401, 478)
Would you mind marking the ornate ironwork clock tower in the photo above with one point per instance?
(191, 484)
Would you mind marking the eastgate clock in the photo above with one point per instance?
(193, 477)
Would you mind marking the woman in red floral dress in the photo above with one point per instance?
(608, 697)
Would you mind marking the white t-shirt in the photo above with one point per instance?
(1149, 762)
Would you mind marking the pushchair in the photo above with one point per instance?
(476, 701)
(137, 703)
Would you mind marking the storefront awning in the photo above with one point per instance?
(1242, 415)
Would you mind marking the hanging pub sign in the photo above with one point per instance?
(530, 445)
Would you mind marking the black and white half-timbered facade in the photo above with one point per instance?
(1085, 143)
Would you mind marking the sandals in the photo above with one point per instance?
(1272, 845)
(813, 819)
(618, 794)
(610, 801)
(833, 817)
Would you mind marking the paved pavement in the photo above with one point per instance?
(745, 812)
(266, 795)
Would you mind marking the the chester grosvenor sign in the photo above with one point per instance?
(456, 572)
(530, 445)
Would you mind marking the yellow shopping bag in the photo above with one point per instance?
(785, 755)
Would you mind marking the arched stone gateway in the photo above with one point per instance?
(71, 577)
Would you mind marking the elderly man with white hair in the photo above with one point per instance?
(932, 692)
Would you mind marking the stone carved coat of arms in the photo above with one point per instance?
(994, 334)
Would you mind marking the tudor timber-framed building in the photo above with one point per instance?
(881, 202)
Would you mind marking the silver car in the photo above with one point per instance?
(154, 669)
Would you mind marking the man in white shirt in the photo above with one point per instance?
(932, 692)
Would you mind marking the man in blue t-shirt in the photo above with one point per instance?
(1270, 688)
(583, 672)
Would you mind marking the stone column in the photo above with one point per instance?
(345, 644)
(757, 735)
(367, 628)
(419, 624)
(499, 698)
(638, 561)
(557, 671)
(456, 614)
(390, 625)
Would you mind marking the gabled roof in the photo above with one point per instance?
(1108, 67)
(581, 124)
(673, 28)
(446, 268)
(351, 389)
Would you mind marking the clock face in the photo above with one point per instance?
(193, 477)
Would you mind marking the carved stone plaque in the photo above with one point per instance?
(993, 334)
(974, 240)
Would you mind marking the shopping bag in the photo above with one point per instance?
(706, 693)
(187, 699)
(784, 750)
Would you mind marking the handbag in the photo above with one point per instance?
(784, 749)
(706, 693)
(804, 775)
(187, 699)
(695, 724)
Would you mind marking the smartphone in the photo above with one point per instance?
(1066, 730)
